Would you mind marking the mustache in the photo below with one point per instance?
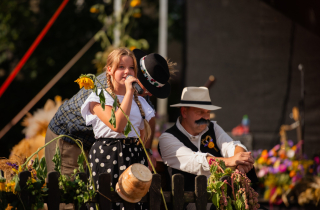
(202, 121)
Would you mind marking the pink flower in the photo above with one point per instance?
(276, 147)
(211, 161)
(262, 172)
(282, 168)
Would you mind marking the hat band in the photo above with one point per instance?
(147, 75)
(196, 102)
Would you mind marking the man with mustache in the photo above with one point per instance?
(188, 146)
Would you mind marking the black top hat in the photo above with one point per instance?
(153, 73)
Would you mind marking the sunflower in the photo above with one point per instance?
(85, 82)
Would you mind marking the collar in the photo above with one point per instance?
(191, 137)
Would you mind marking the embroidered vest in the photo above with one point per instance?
(208, 145)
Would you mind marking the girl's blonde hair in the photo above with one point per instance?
(113, 61)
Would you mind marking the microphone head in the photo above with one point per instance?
(136, 86)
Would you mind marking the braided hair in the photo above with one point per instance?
(113, 62)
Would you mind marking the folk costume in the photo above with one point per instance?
(112, 152)
(68, 121)
(186, 154)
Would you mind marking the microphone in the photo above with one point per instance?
(136, 86)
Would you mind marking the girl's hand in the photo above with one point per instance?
(128, 83)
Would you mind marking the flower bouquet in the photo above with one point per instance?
(281, 168)
(73, 189)
(10, 189)
(230, 189)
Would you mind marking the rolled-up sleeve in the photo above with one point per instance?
(176, 155)
(225, 142)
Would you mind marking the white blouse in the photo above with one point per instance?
(101, 130)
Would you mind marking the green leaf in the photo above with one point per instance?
(42, 169)
(80, 162)
(213, 169)
(102, 100)
(16, 181)
(229, 206)
(216, 200)
(228, 171)
(112, 120)
(239, 204)
(57, 160)
(219, 184)
(35, 164)
(222, 164)
(127, 129)
(95, 90)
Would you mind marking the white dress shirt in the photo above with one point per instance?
(176, 155)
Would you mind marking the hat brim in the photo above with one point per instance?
(207, 107)
(159, 92)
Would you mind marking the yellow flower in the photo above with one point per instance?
(11, 186)
(270, 181)
(135, 3)
(279, 190)
(85, 82)
(33, 180)
(2, 186)
(9, 207)
(267, 194)
(58, 98)
(94, 10)
(136, 15)
(276, 164)
(294, 148)
(286, 187)
(132, 48)
(261, 160)
(295, 164)
(17, 171)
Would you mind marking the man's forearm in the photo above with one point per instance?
(239, 149)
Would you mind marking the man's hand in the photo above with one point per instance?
(244, 168)
(153, 160)
(241, 158)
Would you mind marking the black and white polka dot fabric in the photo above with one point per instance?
(113, 156)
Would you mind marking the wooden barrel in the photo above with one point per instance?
(134, 183)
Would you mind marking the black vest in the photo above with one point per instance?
(208, 145)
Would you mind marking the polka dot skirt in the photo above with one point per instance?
(113, 157)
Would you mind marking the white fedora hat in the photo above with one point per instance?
(196, 97)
